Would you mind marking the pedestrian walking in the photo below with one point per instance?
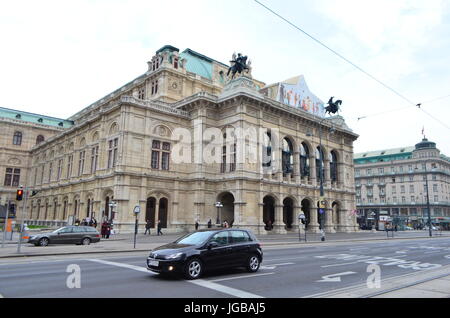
(159, 227)
(103, 230)
(94, 222)
(108, 230)
(196, 225)
(209, 224)
(147, 227)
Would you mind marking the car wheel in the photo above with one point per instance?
(253, 264)
(86, 241)
(43, 242)
(193, 269)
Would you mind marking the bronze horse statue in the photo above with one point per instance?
(333, 107)
(239, 64)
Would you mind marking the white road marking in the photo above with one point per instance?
(243, 276)
(136, 268)
(333, 265)
(1, 296)
(335, 278)
(224, 289)
(273, 266)
(200, 282)
(447, 256)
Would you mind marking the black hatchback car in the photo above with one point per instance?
(194, 253)
(84, 235)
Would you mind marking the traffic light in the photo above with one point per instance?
(19, 194)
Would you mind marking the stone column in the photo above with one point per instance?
(261, 224)
(296, 171)
(329, 225)
(313, 224)
(279, 226)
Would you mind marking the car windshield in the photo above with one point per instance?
(195, 238)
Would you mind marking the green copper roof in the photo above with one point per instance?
(34, 118)
(383, 155)
(198, 63)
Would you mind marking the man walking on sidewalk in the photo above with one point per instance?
(147, 227)
(159, 227)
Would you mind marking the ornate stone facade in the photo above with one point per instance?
(144, 144)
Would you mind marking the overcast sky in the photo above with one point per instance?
(58, 57)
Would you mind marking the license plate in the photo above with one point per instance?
(153, 263)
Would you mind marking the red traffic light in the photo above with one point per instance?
(19, 195)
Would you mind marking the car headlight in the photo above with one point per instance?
(174, 256)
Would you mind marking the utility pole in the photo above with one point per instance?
(428, 202)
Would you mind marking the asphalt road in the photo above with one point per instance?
(286, 272)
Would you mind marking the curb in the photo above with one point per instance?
(262, 242)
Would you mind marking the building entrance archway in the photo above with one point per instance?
(288, 212)
(268, 212)
(306, 209)
(227, 211)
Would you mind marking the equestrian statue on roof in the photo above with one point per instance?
(238, 65)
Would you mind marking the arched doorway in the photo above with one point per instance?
(150, 209)
(268, 212)
(162, 212)
(306, 207)
(227, 211)
(288, 212)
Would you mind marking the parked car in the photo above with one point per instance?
(195, 253)
(84, 235)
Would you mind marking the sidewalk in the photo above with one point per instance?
(124, 242)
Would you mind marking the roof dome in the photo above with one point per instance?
(425, 144)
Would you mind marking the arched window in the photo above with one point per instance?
(333, 166)
(320, 173)
(304, 160)
(287, 156)
(232, 155)
(39, 139)
(17, 139)
(267, 150)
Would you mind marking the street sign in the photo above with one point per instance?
(322, 202)
(301, 216)
(137, 209)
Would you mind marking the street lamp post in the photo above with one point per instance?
(218, 206)
(428, 201)
(321, 206)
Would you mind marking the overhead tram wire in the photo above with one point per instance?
(336, 53)
(353, 64)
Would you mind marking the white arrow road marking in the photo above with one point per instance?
(273, 266)
(334, 277)
(401, 252)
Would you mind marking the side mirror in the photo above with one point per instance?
(212, 244)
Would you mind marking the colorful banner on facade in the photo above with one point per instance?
(299, 96)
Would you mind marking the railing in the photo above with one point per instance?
(158, 105)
